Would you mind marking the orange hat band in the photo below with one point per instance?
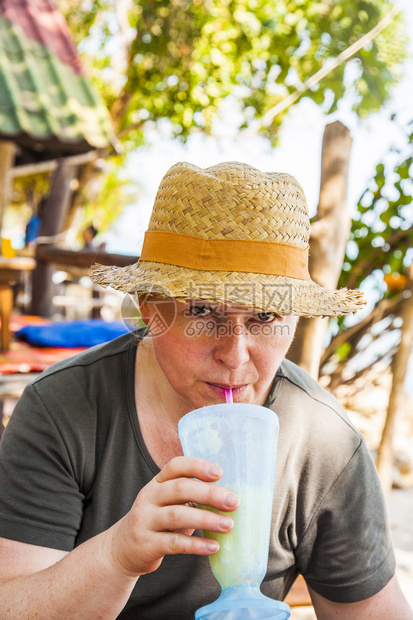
(248, 256)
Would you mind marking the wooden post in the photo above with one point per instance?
(7, 152)
(329, 235)
(397, 397)
(52, 219)
(6, 307)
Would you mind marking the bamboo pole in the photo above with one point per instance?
(397, 397)
(329, 235)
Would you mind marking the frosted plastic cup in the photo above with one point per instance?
(242, 439)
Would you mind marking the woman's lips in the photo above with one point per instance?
(219, 389)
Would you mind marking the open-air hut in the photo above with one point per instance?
(51, 118)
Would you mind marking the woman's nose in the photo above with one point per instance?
(232, 346)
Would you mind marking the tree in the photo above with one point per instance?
(397, 397)
(178, 59)
(175, 61)
(378, 252)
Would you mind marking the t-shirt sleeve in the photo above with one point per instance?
(346, 553)
(40, 499)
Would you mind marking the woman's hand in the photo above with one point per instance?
(164, 516)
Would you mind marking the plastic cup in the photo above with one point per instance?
(242, 439)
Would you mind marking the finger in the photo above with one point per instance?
(190, 467)
(174, 543)
(175, 518)
(184, 490)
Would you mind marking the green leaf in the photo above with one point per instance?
(231, 43)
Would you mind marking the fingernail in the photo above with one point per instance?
(225, 523)
(213, 546)
(215, 471)
(231, 500)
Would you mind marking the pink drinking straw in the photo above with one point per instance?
(228, 396)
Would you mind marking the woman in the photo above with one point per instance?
(97, 503)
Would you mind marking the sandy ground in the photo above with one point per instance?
(400, 509)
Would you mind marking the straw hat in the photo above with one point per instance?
(230, 234)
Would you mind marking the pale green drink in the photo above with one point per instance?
(243, 552)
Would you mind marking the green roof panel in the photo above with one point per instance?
(45, 97)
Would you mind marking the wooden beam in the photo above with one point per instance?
(82, 259)
(51, 164)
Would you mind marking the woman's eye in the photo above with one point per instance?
(200, 311)
(267, 317)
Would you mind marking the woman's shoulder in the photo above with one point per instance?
(312, 416)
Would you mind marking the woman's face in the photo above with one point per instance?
(201, 349)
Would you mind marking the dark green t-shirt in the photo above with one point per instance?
(73, 460)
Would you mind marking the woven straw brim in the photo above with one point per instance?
(278, 294)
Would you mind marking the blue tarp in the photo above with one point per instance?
(72, 334)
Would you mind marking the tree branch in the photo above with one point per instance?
(124, 132)
(353, 334)
(329, 67)
(337, 379)
(367, 266)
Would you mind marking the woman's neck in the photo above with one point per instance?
(158, 408)
(148, 368)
